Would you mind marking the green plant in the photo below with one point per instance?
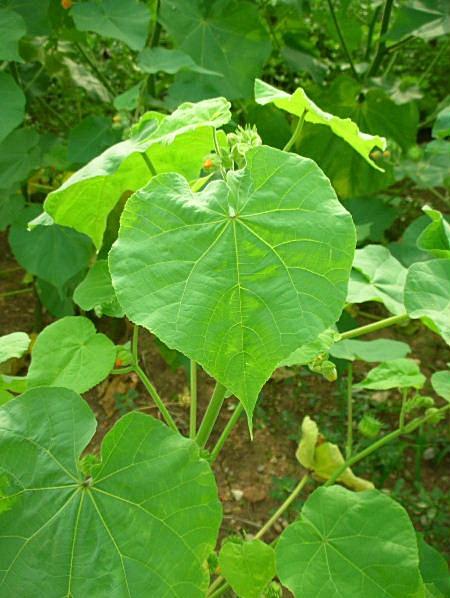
(241, 271)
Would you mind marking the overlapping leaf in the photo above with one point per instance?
(177, 142)
(436, 237)
(380, 349)
(12, 28)
(141, 522)
(299, 104)
(397, 373)
(238, 275)
(346, 543)
(96, 292)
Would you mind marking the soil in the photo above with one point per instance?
(253, 476)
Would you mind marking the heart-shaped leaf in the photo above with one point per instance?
(178, 142)
(96, 292)
(398, 373)
(70, 353)
(241, 274)
(360, 544)
(299, 104)
(139, 523)
(427, 295)
(13, 345)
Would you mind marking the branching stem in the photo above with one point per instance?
(226, 432)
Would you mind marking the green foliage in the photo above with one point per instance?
(14, 105)
(70, 353)
(12, 28)
(154, 533)
(436, 237)
(380, 349)
(343, 545)
(441, 384)
(398, 373)
(257, 231)
(89, 138)
(13, 345)
(433, 568)
(96, 292)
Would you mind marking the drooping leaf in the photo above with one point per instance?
(397, 373)
(13, 345)
(436, 237)
(440, 381)
(12, 28)
(89, 138)
(424, 18)
(299, 104)
(350, 544)
(433, 567)
(125, 20)
(19, 155)
(306, 353)
(96, 292)
(427, 295)
(380, 349)
(141, 522)
(247, 566)
(217, 36)
(238, 275)
(377, 276)
(155, 60)
(13, 105)
(177, 143)
(53, 253)
(71, 354)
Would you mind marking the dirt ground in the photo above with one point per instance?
(253, 476)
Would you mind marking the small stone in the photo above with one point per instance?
(237, 494)
(260, 469)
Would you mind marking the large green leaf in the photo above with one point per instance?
(12, 28)
(238, 275)
(380, 349)
(126, 20)
(397, 373)
(53, 253)
(436, 237)
(141, 523)
(377, 276)
(177, 142)
(13, 105)
(361, 545)
(90, 137)
(440, 382)
(427, 295)
(226, 36)
(35, 14)
(96, 292)
(433, 567)
(422, 18)
(299, 104)
(247, 566)
(374, 112)
(13, 345)
(70, 353)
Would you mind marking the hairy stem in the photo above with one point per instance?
(226, 432)
(385, 323)
(211, 415)
(342, 39)
(193, 407)
(349, 445)
(296, 134)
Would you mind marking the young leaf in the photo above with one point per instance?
(247, 566)
(398, 373)
(380, 349)
(350, 544)
(140, 523)
(239, 275)
(71, 354)
(12, 28)
(299, 104)
(177, 142)
(427, 295)
(96, 292)
(216, 36)
(13, 345)
(13, 105)
(436, 237)
(377, 276)
(433, 567)
(125, 20)
(440, 381)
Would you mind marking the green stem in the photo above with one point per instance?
(370, 33)
(297, 131)
(226, 432)
(135, 344)
(193, 408)
(149, 163)
(95, 68)
(154, 41)
(125, 370)
(433, 62)
(211, 415)
(401, 420)
(18, 292)
(349, 445)
(380, 443)
(391, 321)
(381, 47)
(342, 39)
(52, 111)
(155, 396)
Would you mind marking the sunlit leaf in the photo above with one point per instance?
(239, 275)
(13, 345)
(71, 354)
(397, 373)
(306, 353)
(440, 381)
(96, 292)
(141, 522)
(346, 543)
